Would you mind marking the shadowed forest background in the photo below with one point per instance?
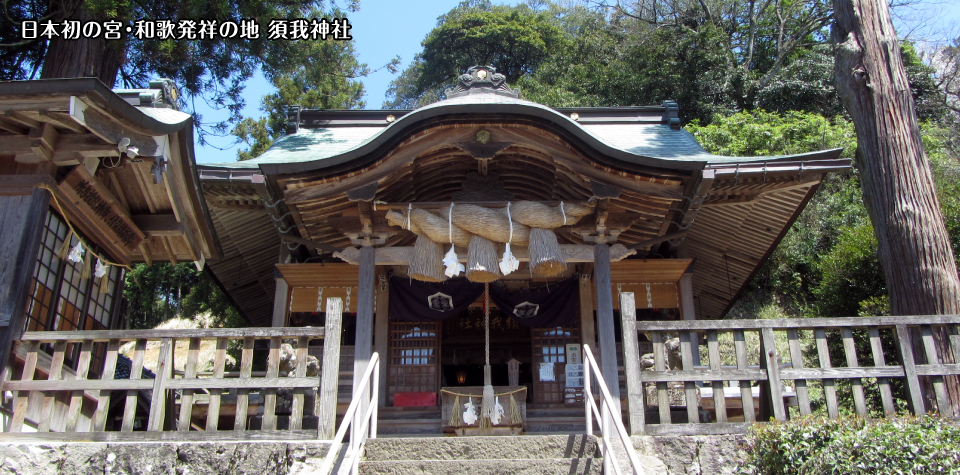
(750, 77)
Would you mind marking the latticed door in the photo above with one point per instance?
(549, 346)
(414, 358)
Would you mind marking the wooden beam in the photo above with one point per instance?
(401, 156)
(362, 349)
(22, 218)
(381, 330)
(608, 345)
(588, 322)
(280, 306)
(12, 127)
(15, 185)
(400, 256)
(110, 130)
(158, 224)
(62, 119)
(43, 141)
(631, 363)
(330, 370)
(21, 118)
(658, 240)
(311, 244)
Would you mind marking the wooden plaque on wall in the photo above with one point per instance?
(95, 212)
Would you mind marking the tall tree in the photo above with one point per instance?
(317, 75)
(898, 187)
(515, 40)
(208, 61)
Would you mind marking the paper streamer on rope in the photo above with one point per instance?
(100, 270)
(488, 393)
(76, 254)
(509, 263)
(450, 260)
(470, 414)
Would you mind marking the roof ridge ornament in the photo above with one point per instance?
(482, 79)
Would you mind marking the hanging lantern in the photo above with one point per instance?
(461, 376)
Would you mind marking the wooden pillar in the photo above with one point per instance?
(605, 330)
(280, 297)
(381, 330)
(689, 312)
(364, 342)
(22, 219)
(631, 362)
(330, 371)
(588, 324)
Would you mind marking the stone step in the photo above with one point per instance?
(555, 424)
(589, 466)
(421, 427)
(482, 448)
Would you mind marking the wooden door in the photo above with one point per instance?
(414, 360)
(549, 346)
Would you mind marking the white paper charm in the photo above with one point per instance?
(76, 254)
(497, 413)
(454, 267)
(546, 372)
(509, 263)
(470, 415)
(100, 270)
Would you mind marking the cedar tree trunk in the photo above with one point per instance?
(898, 189)
(84, 57)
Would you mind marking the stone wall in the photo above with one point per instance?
(183, 458)
(691, 455)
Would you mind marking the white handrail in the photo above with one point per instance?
(358, 437)
(605, 417)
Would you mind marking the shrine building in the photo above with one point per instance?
(480, 241)
(362, 205)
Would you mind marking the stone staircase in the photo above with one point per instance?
(521, 455)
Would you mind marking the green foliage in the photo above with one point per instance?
(318, 75)
(814, 445)
(515, 40)
(850, 273)
(759, 132)
(156, 293)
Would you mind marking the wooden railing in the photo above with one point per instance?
(360, 419)
(71, 405)
(791, 362)
(611, 428)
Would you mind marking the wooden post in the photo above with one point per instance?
(363, 346)
(22, 218)
(770, 361)
(631, 363)
(382, 329)
(158, 404)
(280, 300)
(689, 311)
(330, 370)
(608, 344)
(905, 347)
(588, 323)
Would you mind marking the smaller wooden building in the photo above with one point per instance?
(110, 171)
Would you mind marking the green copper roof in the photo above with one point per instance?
(643, 140)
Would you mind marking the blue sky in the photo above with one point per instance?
(384, 29)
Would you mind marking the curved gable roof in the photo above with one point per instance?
(641, 140)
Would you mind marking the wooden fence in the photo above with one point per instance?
(791, 363)
(67, 397)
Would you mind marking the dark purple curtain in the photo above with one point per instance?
(553, 305)
(412, 300)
